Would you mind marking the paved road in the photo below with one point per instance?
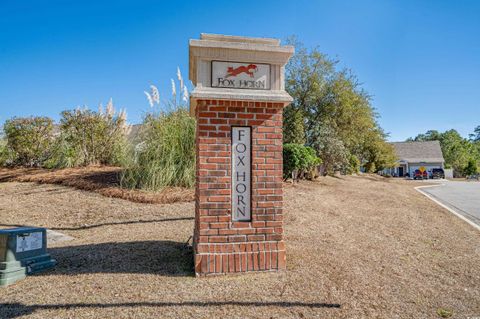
(463, 197)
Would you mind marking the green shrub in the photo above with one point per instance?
(299, 161)
(89, 137)
(29, 140)
(166, 155)
(471, 168)
(353, 166)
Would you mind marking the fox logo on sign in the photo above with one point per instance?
(249, 70)
(238, 75)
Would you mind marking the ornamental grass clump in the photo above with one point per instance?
(166, 155)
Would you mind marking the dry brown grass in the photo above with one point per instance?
(103, 180)
(374, 247)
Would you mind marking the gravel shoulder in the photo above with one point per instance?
(358, 247)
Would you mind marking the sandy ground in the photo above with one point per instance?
(358, 247)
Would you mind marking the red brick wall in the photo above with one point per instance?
(220, 245)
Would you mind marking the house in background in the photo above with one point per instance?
(415, 155)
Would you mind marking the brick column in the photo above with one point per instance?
(238, 102)
(223, 245)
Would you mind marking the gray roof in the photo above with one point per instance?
(417, 152)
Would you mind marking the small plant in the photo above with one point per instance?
(444, 313)
(299, 161)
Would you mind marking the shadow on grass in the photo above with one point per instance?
(105, 179)
(13, 310)
(164, 258)
(128, 222)
(124, 223)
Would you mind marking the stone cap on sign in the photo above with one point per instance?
(229, 67)
(236, 38)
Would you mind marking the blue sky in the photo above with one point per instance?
(420, 60)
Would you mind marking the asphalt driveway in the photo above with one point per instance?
(463, 197)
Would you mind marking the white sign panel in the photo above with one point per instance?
(236, 75)
(241, 173)
(31, 241)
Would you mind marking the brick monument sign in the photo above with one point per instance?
(238, 101)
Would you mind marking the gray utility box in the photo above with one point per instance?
(23, 251)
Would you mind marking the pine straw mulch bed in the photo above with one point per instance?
(103, 180)
(357, 247)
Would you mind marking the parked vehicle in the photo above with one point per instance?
(420, 175)
(438, 173)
